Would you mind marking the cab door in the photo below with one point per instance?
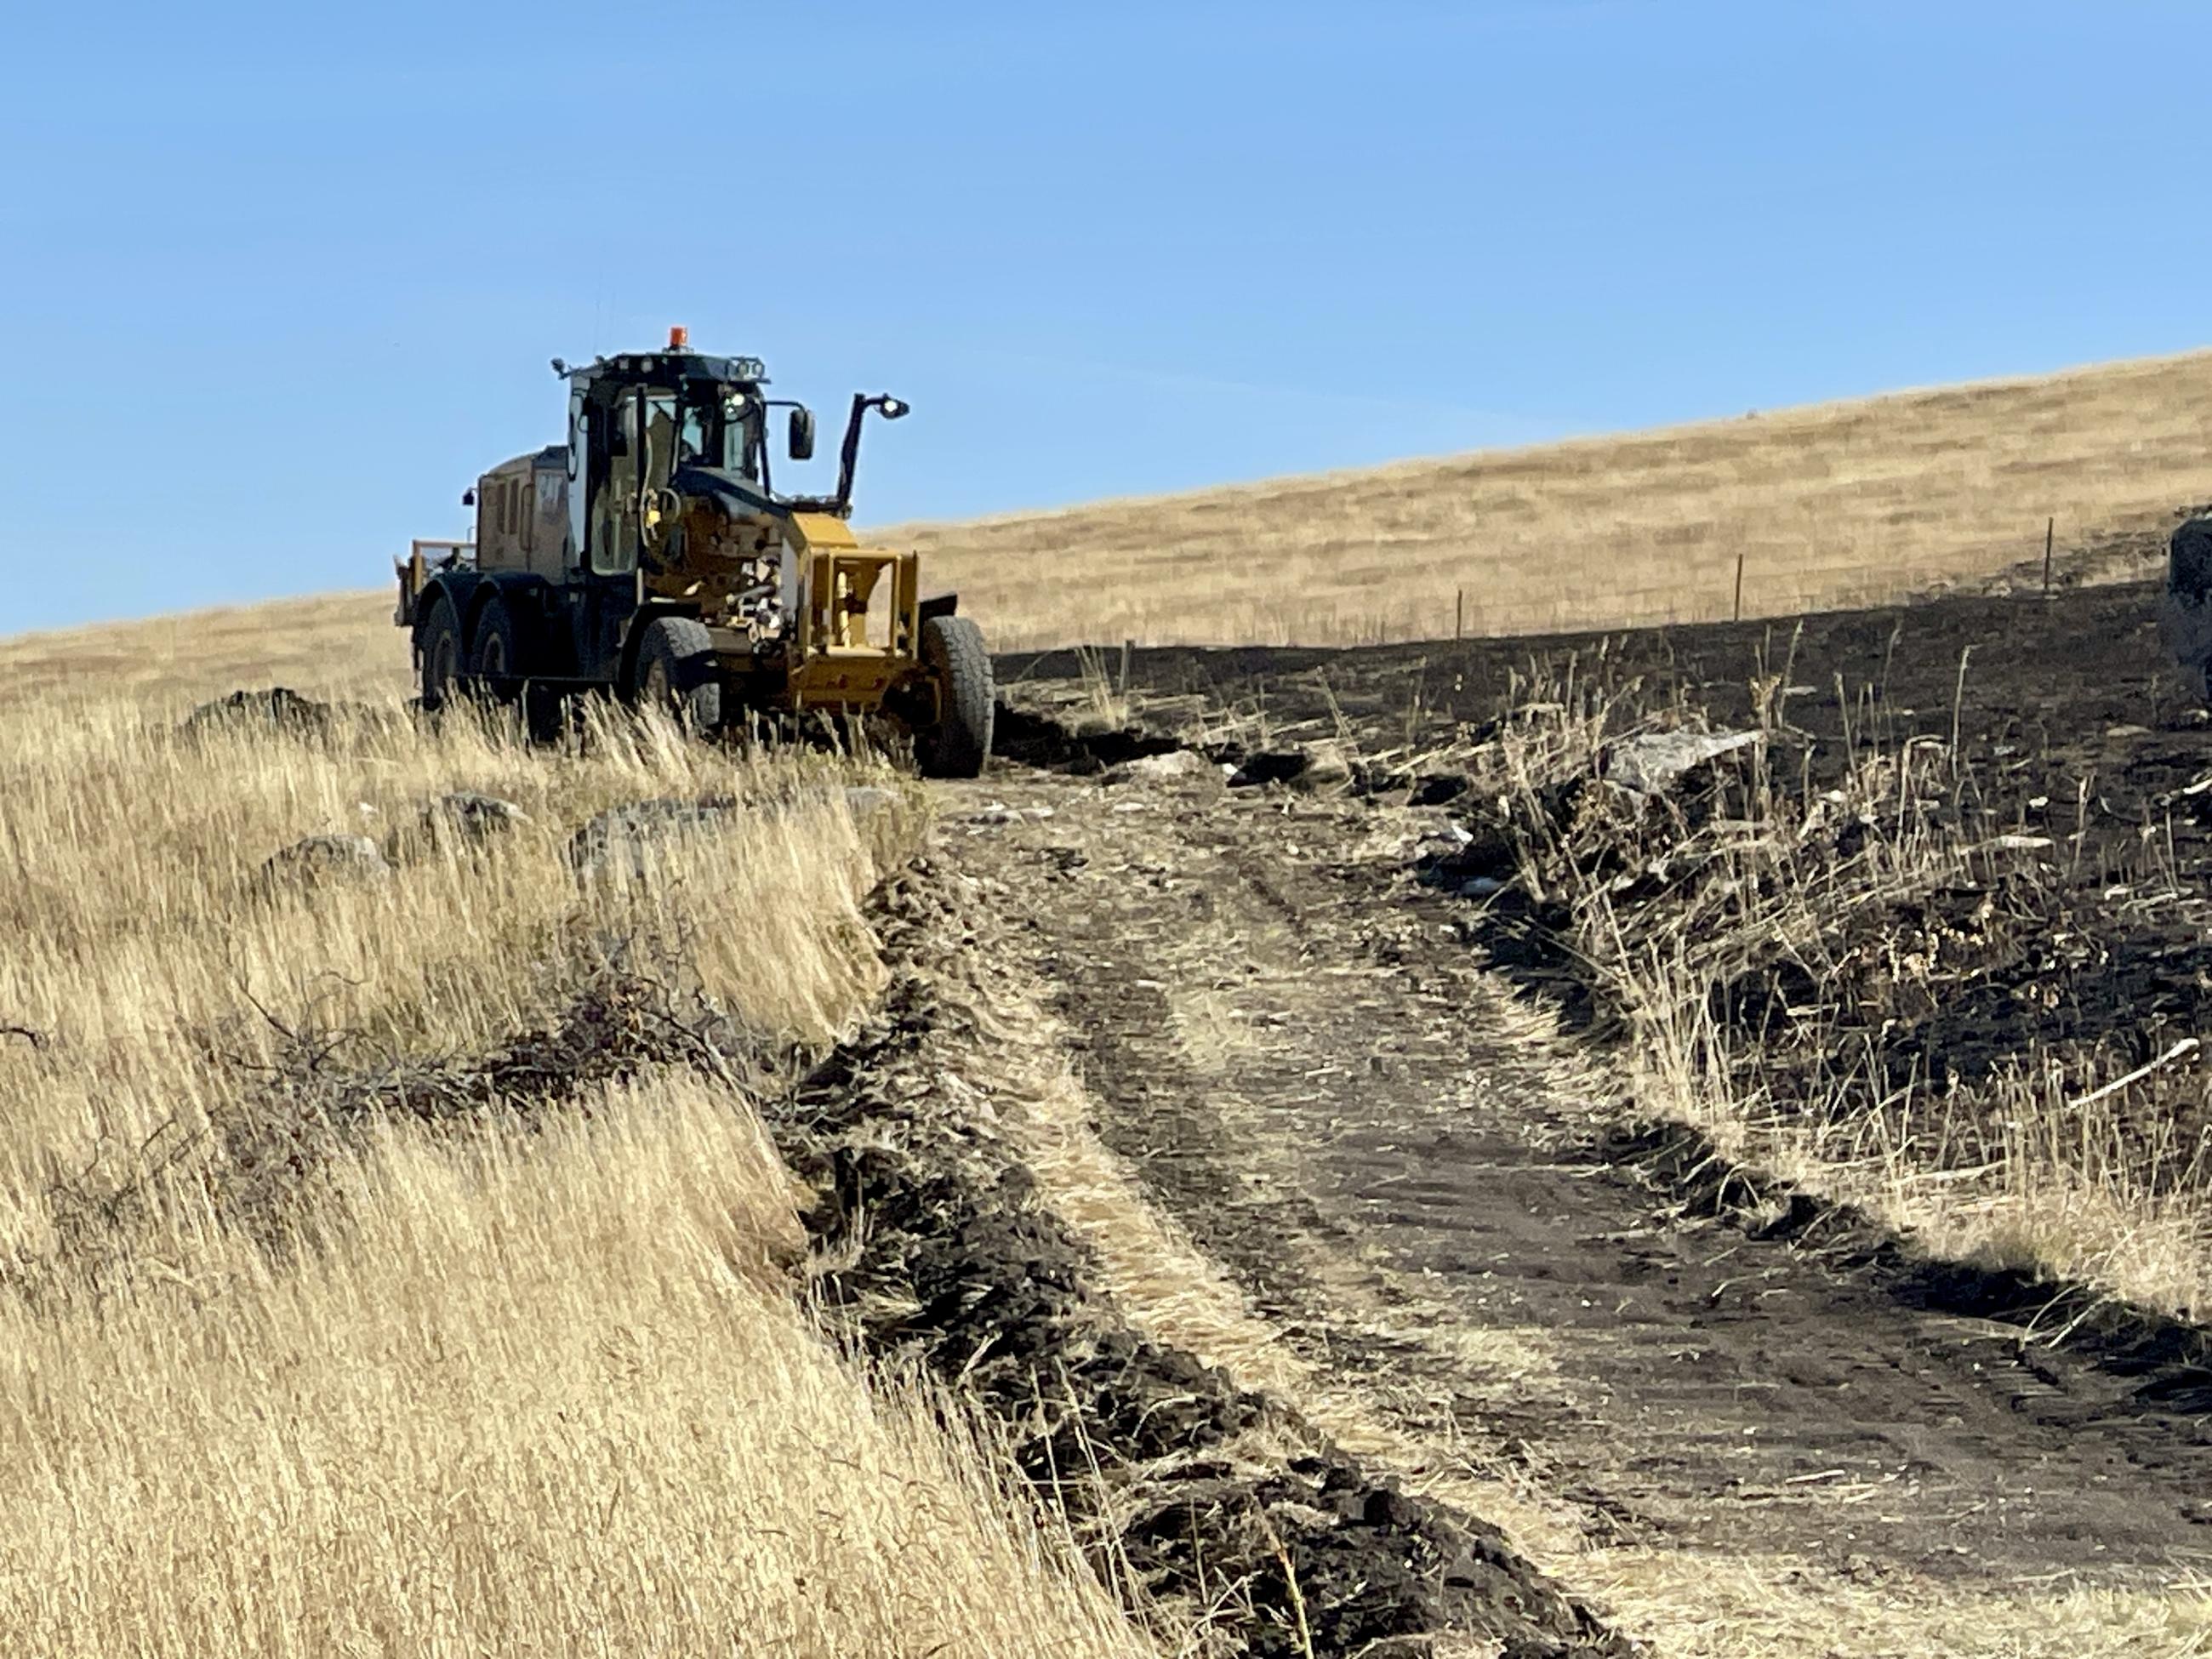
(602, 519)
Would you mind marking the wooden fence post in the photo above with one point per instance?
(1129, 650)
(1459, 613)
(1738, 615)
(2050, 536)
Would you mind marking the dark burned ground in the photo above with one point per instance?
(2070, 731)
(1296, 1048)
(2070, 726)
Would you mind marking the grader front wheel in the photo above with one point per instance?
(676, 673)
(959, 742)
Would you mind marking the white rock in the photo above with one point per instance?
(1168, 766)
(1649, 763)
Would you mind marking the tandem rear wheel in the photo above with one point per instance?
(439, 651)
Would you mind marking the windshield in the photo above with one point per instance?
(719, 428)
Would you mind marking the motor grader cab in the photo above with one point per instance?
(652, 556)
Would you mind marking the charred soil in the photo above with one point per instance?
(1320, 1017)
(2048, 741)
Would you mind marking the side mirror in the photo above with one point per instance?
(469, 497)
(802, 435)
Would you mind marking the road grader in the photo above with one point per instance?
(651, 557)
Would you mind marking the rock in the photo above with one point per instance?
(1462, 856)
(464, 820)
(1655, 761)
(624, 838)
(1166, 768)
(1450, 837)
(319, 858)
(621, 838)
(279, 706)
(472, 816)
(877, 820)
(864, 801)
(1267, 766)
(1313, 766)
(1326, 766)
(998, 812)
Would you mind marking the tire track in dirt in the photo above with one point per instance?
(1233, 1522)
(1299, 1058)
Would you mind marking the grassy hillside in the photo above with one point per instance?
(1832, 506)
(334, 645)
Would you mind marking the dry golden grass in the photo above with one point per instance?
(528, 1396)
(509, 1390)
(1830, 505)
(133, 922)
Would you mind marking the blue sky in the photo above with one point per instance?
(280, 280)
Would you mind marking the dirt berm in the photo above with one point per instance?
(1207, 1498)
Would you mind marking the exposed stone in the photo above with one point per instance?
(1168, 768)
(278, 706)
(865, 801)
(1312, 766)
(623, 838)
(1326, 766)
(319, 858)
(475, 817)
(1654, 761)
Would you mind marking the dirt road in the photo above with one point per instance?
(1736, 1443)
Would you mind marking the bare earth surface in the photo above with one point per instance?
(1294, 1048)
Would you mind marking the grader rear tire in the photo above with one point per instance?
(960, 742)
(440, 652)
(495, 658)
